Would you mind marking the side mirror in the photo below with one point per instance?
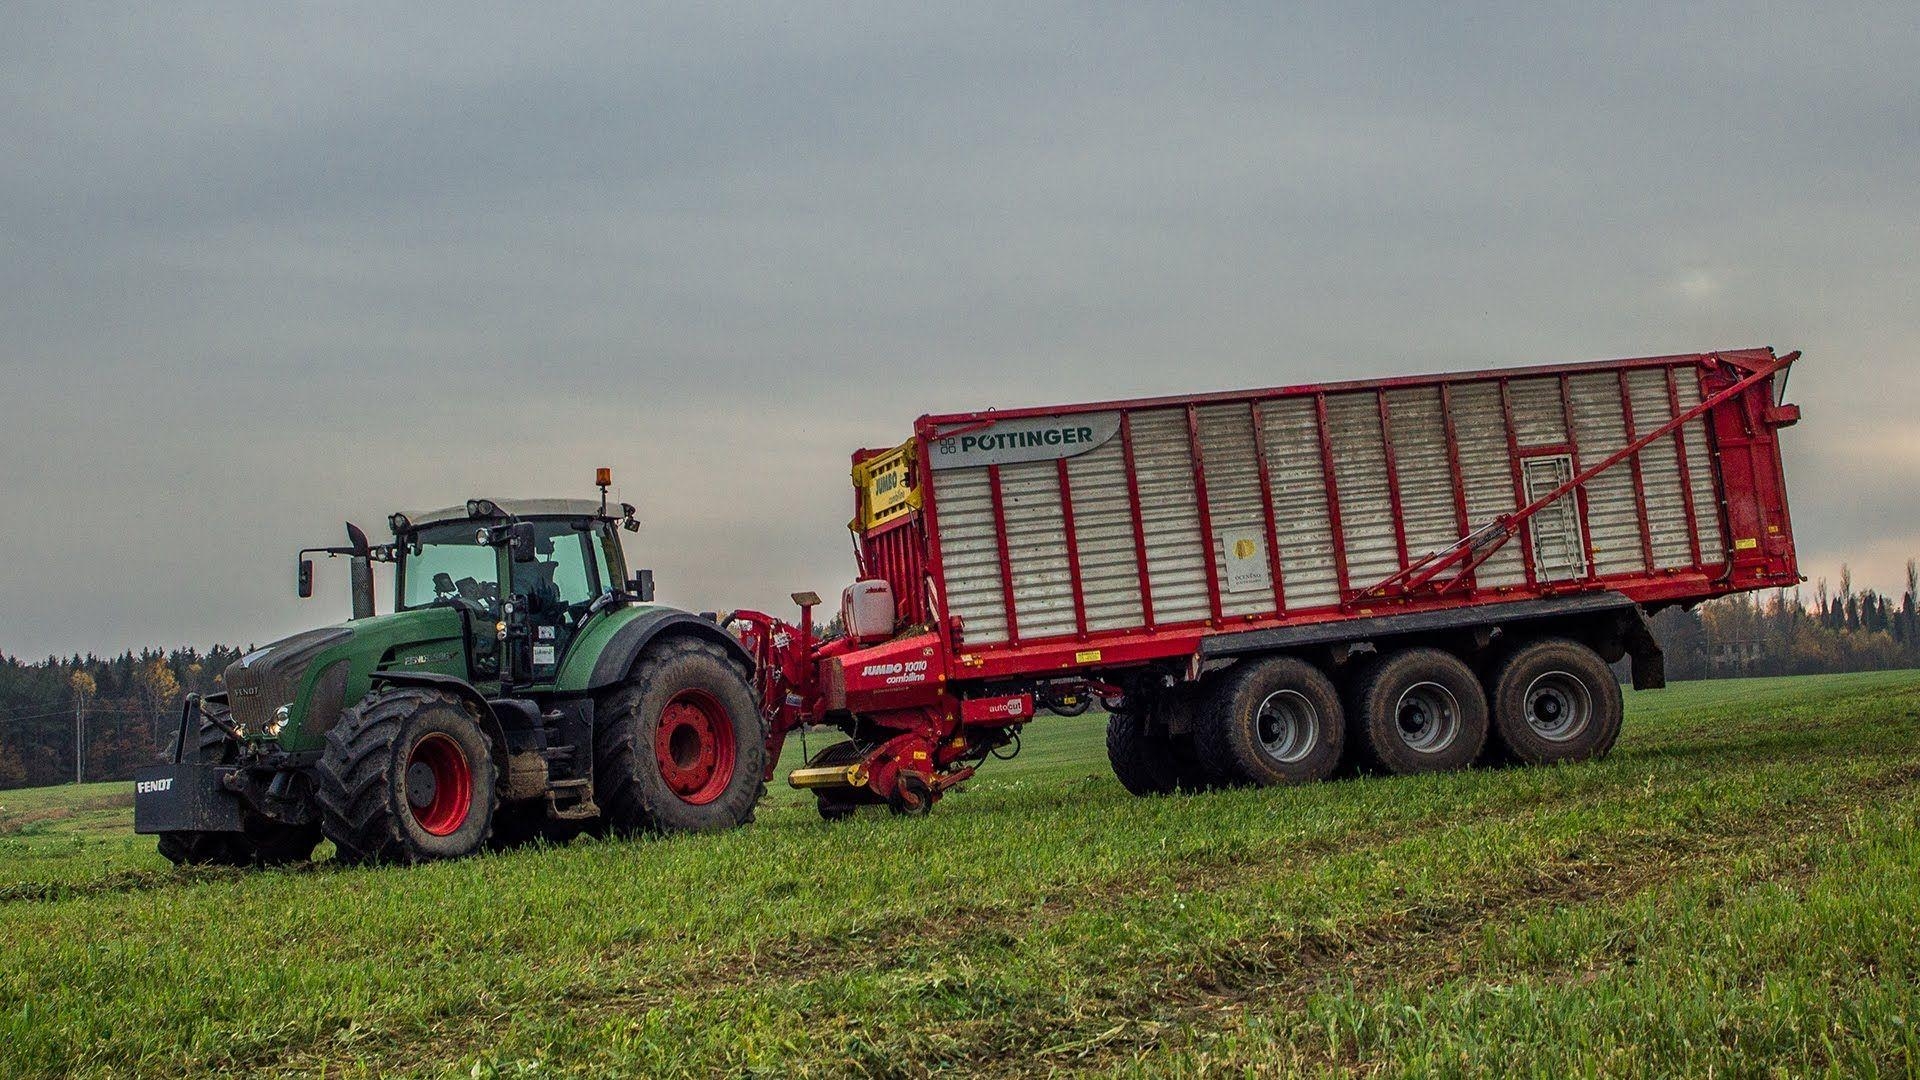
(306, 579)
(642, 586)
(520, 542)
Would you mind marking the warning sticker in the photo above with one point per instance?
(543, 656)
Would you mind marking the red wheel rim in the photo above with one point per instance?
(694, 746)
(439, 784)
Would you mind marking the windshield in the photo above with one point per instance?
(445, 565)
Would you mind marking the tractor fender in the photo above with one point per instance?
(465, 691)
(624, 649)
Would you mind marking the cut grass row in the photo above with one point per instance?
(1546, 920)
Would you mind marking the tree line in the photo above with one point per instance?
(130, 704)
(1793, 633)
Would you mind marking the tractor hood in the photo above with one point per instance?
(269, 677)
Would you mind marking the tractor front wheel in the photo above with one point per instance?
(680, 746)
(407, 776)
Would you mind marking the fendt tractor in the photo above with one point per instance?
(522, 686)
(1259, 587)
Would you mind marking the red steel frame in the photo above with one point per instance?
(1418, 586)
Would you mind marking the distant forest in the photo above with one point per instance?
(131, 703)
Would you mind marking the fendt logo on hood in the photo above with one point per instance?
(1007, 442)
(152, 787)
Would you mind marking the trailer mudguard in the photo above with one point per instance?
(604, 655)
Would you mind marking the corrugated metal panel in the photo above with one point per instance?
(1037, 549)
(1660, 471)
(1538, 419)
(1487, 469)
(1042, 585)
(1613, 514)
(1360, 471)
(1234, 506)
(1292, 433)
(1419, 430)
(970, 553)
(1706, 484)
(1169, 516)
(1103, 526)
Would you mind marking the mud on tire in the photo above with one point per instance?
(1420, 710)
(680, 746)
(1273, 721)
(1555, 700)
(407, 776)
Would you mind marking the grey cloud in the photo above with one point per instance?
(264, 271)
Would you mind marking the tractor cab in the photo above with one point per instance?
(524, 576)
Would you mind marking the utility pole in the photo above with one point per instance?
(83, 688)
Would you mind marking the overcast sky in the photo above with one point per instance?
(260, 273)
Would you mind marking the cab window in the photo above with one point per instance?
(445, 564)
(563, 574)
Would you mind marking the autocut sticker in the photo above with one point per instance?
(1039, 438)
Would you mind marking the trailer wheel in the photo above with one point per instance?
(1142, 761)
(680, 746)
(407, 776)
(264, 842)
(1273, 721)
(1422, 710)
(1555, 701)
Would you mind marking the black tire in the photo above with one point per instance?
(635, 794)
(265, 842)
(1556, 701)
(1142, 760)
(1421, 710)
(390, 780)
(1272, 721)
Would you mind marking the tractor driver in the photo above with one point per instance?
(534, 581)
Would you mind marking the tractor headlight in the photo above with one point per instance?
(280, 718)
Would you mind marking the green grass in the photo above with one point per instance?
(1733, 892)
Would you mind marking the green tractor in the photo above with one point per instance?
(523, 686)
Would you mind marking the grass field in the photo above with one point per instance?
(1736, 891)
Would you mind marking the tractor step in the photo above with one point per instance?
(571, 800)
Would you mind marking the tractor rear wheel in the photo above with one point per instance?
(1555, 701)
(680, 746)
(1421, 710)
(1273, 721)
(407, 776)
(265, 842)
